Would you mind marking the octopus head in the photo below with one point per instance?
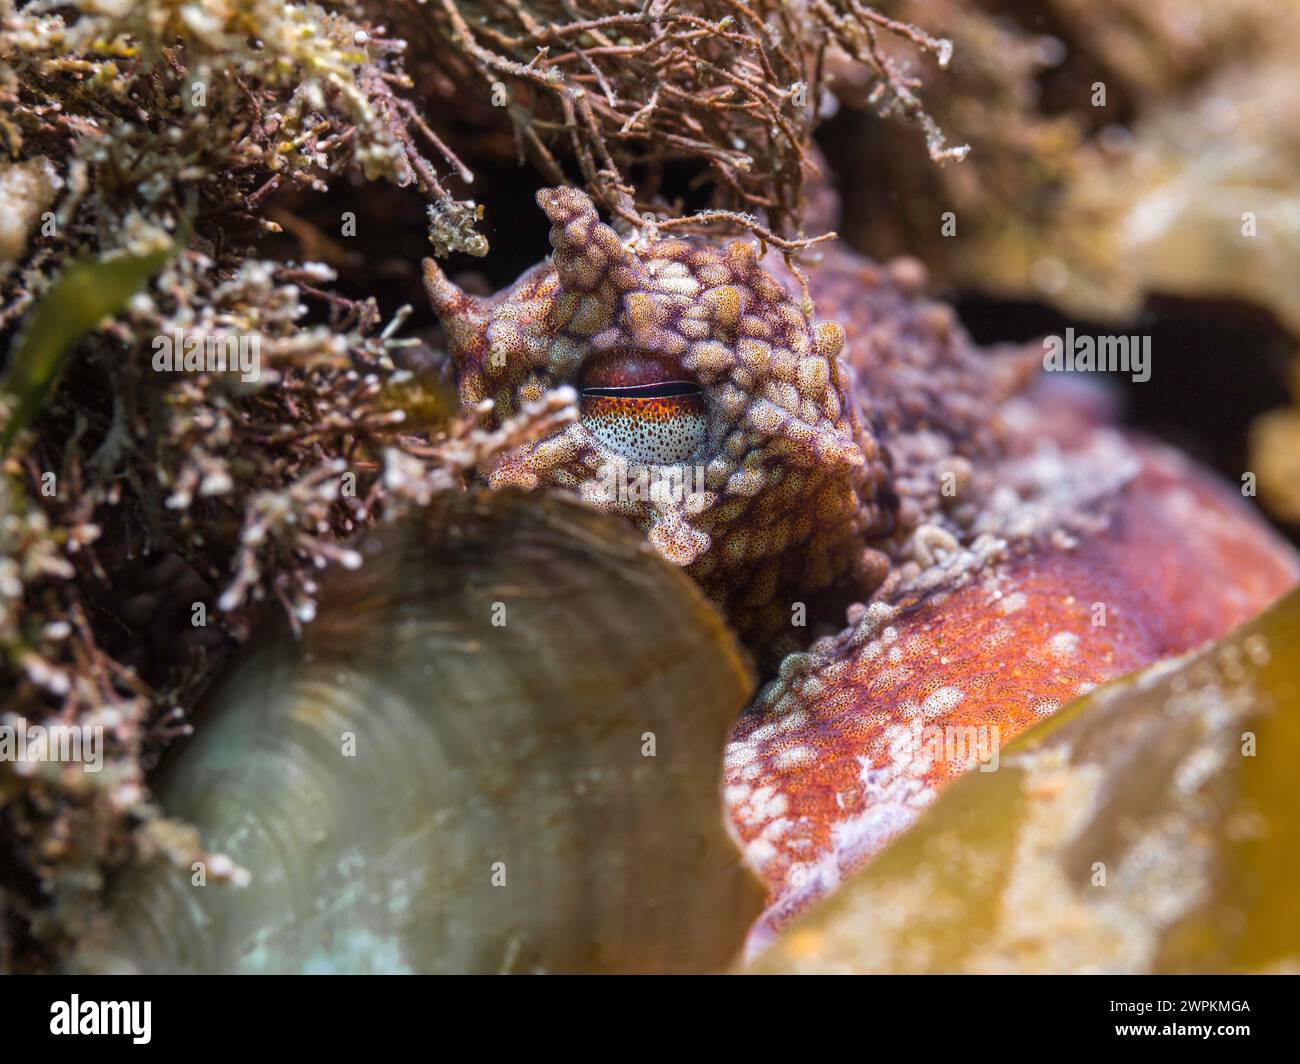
(714, 412)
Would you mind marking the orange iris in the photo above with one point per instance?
(644, 410)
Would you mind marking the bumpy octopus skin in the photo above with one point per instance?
(1004, 548)
(792, 480)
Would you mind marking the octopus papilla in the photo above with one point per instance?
(929, 546)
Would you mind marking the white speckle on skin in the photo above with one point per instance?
(871, 651)
(736, 793)
(942, 701)
(763, 806)
(776, 828)
(888, 678)
(738, 754)
(796, 755)
(1063, 645)
(1011, 603)
(792, 721)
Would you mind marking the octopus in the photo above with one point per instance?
(929, 546)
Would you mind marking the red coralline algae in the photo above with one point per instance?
(1004, 548)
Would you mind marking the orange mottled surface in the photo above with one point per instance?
(841, 754)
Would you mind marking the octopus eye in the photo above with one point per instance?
(643, 410)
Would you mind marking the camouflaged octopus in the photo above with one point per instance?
(996, 546)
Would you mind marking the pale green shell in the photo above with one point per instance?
(483, 750)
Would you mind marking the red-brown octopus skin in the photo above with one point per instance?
(1004, 548)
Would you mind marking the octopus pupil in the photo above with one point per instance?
(663, 390)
